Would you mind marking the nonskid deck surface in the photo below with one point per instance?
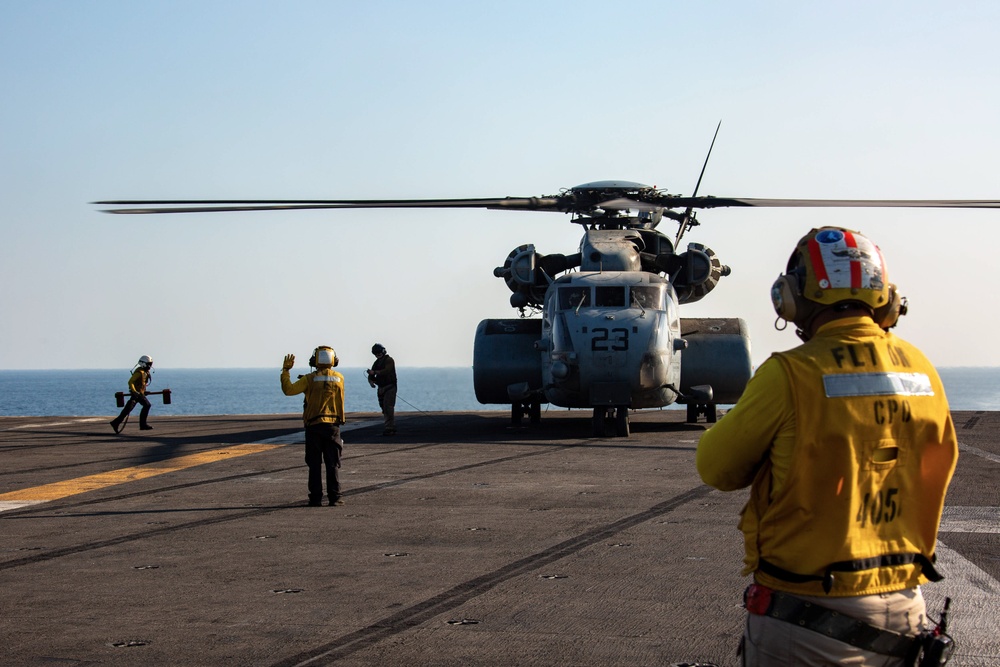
(463, 541)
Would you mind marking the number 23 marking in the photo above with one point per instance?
(603, 340)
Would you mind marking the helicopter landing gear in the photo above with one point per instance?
(695, 410)
(600, 421)
(620, 416)
(531, 410)
(621, 422)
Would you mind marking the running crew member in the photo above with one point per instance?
(142, 375)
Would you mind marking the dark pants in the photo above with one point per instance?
(387, 402)
(323, 446)
(133, 399)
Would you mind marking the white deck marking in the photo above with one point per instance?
(41, 424)
(961, 519)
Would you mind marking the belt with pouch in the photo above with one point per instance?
(763, 601)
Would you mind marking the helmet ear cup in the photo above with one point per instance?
(887, 316)
(785, 295)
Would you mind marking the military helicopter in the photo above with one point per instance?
(609, 336)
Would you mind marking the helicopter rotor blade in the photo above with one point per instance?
(688, 219)
(138, 206)
(721, 202)
(565, 204)
(705, 165)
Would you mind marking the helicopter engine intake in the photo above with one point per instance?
(695, 273)
(529, 273)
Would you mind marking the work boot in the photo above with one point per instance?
(336, 502)
(115, 424)
(145, 427)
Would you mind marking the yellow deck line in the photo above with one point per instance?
(101, 480)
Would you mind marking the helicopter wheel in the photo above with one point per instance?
(600, 422)
(515, 414)
(621, 422)
(694, 410)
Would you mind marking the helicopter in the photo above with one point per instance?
(608, 335)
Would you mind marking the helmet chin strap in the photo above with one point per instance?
(803, 328)
(803, 336)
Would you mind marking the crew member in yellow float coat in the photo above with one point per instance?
(322, 414)
(848, 447)
(141, 376)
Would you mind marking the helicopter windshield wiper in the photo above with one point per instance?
(634, 299)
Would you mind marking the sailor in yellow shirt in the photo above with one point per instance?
(142, 375)
(848, 447)
(322, 414)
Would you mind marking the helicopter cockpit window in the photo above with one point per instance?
(571, 298)
(648, 296)
(610, 297)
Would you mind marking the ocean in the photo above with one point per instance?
(234, 391)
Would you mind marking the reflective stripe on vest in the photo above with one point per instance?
(877, 384)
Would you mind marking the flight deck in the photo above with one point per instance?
(463, 540)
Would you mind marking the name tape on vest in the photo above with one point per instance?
(877, 384)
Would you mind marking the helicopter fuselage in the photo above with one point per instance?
(610, 336)
(608, 339)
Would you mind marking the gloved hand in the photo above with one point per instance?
(289, 362)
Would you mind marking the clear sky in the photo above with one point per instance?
(248, 99)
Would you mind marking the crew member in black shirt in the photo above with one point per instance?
(383, 375)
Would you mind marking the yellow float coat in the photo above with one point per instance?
(138, 382)
(324, 390)
(861, 472)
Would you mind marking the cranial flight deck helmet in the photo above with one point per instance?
(145, 361)
(323, 357)
(378, 348)
(832, 266)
